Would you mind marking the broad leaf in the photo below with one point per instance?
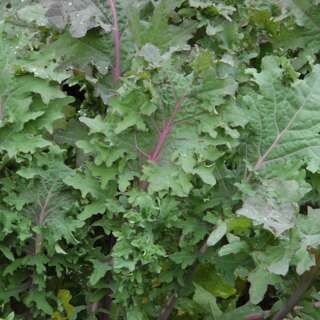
(81, 15)
(259, 280)
(274, 205)
(285, 118)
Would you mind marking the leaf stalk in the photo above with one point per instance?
(117, 42)
(304, 284)
(165, 132)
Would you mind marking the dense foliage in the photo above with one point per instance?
(177, 180)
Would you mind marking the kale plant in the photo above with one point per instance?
(159, 159)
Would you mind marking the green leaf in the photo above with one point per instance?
(238, 225)
(165, 178)
(185, 259)
(210, 280)
(135, 314)
(206, 300)
(85, 183)
(305, 12)
(96, 125)
(217, 234)
(92, 209)
(21, 143)
(65, 297)
(54, 111)
(7, 253)
(285, 118)
(55, 59)
(47, 91)
(125, 180)
(206, 174)
(99, 271)
(274, 204)
(33, 13)
(10, 316)
(152, 55)
(82, 15)
(157, 30)
(58, 249)
(304, 261)
(280, 267)
(72, 133)
(259, 281)
(233, 248)
(242, 312)
(40, 300)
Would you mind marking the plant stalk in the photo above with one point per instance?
(305, 282)
(116, 72)
(171, 302)
(40, 221)
(117, 42)
(164, 133)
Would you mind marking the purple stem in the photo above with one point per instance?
(164, 133)
(107, 301)
(117, 42)
(163, 136)
(104, 317)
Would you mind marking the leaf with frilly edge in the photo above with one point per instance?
(156, 30)
(57, 60)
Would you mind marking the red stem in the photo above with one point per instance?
(163, 136)
(164, 133)
(117, 42)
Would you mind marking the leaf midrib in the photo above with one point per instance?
(261, 160)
